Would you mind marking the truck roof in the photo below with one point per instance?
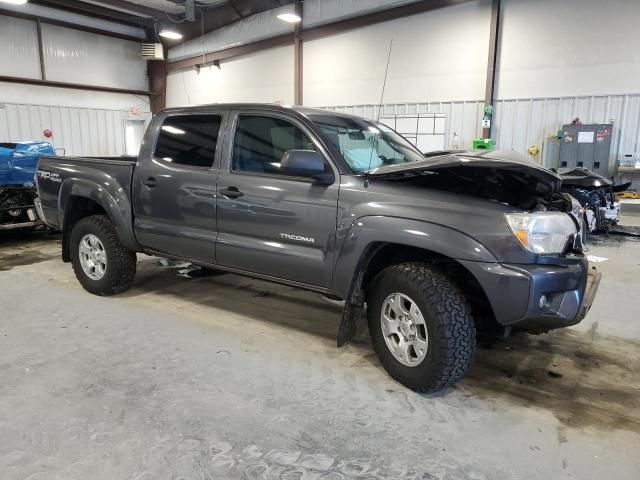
(257, 106)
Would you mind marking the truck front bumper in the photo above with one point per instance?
(538, 297)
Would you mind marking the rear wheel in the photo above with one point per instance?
(102, 265)
(420, 325)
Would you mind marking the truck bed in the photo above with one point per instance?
(108, 176)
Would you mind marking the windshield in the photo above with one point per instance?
(366, 145)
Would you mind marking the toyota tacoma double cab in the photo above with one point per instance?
(435, 248)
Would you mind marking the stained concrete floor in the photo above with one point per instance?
(228, 377)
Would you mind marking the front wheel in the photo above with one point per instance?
(102, 265)
(420, 325)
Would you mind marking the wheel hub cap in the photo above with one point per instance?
(407, 329)
(404, 329)
(93, 258)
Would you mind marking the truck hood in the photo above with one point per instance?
(503, 176)
(490, 160)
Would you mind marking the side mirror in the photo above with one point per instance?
(306, 163)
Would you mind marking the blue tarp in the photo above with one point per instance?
(18, 161)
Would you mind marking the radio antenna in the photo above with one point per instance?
(384, 84)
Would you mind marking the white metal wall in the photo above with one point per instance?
(19, 52)
(79, 131)
(439, 55)
(266, 24)
(80, 57)
(569, 47)
(547, 48)
(70, 55)
(519, 123)
(83, 122)
(261, 77)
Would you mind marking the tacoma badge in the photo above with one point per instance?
(288, 236)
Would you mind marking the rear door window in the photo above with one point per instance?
(188, 140)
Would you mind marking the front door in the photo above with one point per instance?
(174, 188)
(270, 223)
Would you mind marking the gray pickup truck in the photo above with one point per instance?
(435, 248)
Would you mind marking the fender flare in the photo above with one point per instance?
(364, 238)
(114, 202)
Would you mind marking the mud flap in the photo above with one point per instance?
(352, 311)
(354, 303)
(351, 315)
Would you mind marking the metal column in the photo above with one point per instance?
(494, 35)
(297, 52)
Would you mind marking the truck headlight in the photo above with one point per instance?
(542, 232)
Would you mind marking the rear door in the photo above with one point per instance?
(270, 223)
(174, 186)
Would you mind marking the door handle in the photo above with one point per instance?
(231, 192)
(150, 182)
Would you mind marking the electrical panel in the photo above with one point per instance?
(586, 146)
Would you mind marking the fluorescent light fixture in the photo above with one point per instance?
(14, 2)
(170, 34)
(289, 17)
(174, 130)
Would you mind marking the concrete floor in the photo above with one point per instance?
(228, 377)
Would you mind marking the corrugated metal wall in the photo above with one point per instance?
(519, 123)
(79, 131)
(524, 122)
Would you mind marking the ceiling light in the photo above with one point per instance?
(15, 2)
(289, 17)
(170, 34)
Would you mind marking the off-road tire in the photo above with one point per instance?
(450, 327)
(121, 262)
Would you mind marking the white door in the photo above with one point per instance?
(133, 133)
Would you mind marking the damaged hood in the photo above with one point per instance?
(546, 181)
(582, 177)
(501, 176)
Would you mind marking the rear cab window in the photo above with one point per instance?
(188, 140)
